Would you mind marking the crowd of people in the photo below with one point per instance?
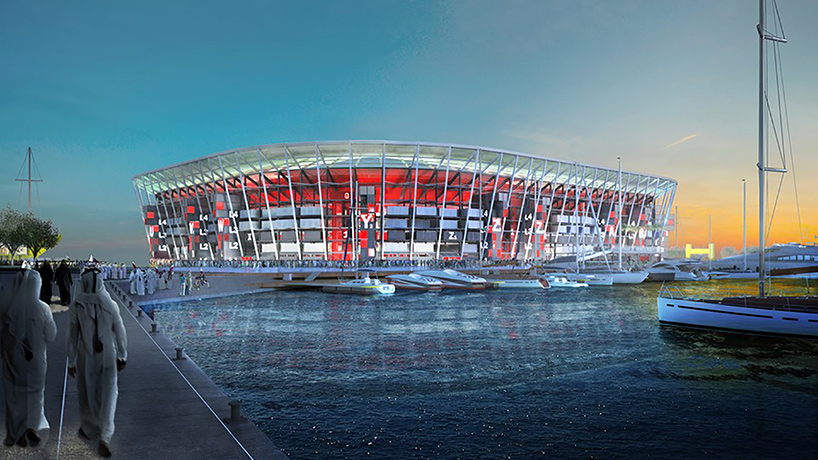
(96, 348)
(302, 264)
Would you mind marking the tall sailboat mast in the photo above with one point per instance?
(29, 180)
(761, 163)
(619, 217)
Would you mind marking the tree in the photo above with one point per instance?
(39, 235)
(12, 230)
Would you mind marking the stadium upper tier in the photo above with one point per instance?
(354, 200)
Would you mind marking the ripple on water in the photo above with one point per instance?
(570, 373)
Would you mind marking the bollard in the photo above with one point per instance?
(153, 327)
(235, 410)
(139, 312)
(179, 355)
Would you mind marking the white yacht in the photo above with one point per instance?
(415, 282)
(519, 283)
(456, 280)
(361, 286)
(677, 270)
(562, 282)
(618, 276)
(761, 314)
(591, 279)
(779, 260)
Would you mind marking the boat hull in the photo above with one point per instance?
(360, 290)
(629, 277)
(714, 315)
(519, 284)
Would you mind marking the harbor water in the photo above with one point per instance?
(565, 373)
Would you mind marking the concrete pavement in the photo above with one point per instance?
(159, 415)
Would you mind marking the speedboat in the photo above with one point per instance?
(591, 279)
(455, 280)
(677, 270)
(361, 286)
(562, 282)
(415, 281)
(520, 283)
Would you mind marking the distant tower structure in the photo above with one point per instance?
(30, 159)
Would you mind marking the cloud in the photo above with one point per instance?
(681, 141)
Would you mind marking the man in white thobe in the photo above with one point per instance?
(140, 282)
(150, 280)
(97, 351)
(133, 282)
(26, 326)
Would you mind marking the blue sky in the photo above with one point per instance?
(103, 91)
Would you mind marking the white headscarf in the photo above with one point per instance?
(92, 291)
(25, 291)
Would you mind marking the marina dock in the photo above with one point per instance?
(167, 408)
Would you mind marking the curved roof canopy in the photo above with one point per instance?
(376, 154)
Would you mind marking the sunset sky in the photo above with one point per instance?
(102, 91)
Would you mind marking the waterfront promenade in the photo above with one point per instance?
(159, 415)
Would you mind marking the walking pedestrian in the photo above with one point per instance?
(26, 326)
(47, 277)
(64, 283)
(97, 352)
(182, 284)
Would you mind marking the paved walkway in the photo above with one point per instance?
(158, 415)
(221, 285)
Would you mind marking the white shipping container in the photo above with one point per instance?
(470, 248)
(268, 248)
(309, 223)
(424, 247)
(425, 211)
(251, 213)
(283, 212)
(396, 247)
(289, 247)
(313, 247)
(247, 226)
(283, 223)
(310, 211)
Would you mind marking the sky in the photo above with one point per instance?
(102, 91)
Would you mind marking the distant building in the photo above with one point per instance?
(356, 200)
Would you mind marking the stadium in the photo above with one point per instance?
(387, 200)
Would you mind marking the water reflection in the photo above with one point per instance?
(492, 374)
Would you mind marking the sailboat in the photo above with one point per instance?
(761, 314)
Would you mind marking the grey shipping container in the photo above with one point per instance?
(287, 237)
(397, 235)
(397, 210)
(426, 235)
(397, 223)
(313, 236)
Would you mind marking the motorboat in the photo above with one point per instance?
(361, 286)
(779, 260)
(562, 282)
(456, 280)
(591, 279)
(520, 283)
(677, 270)
(415, 282)
(760, 314)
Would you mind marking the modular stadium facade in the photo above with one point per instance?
(362, 200)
